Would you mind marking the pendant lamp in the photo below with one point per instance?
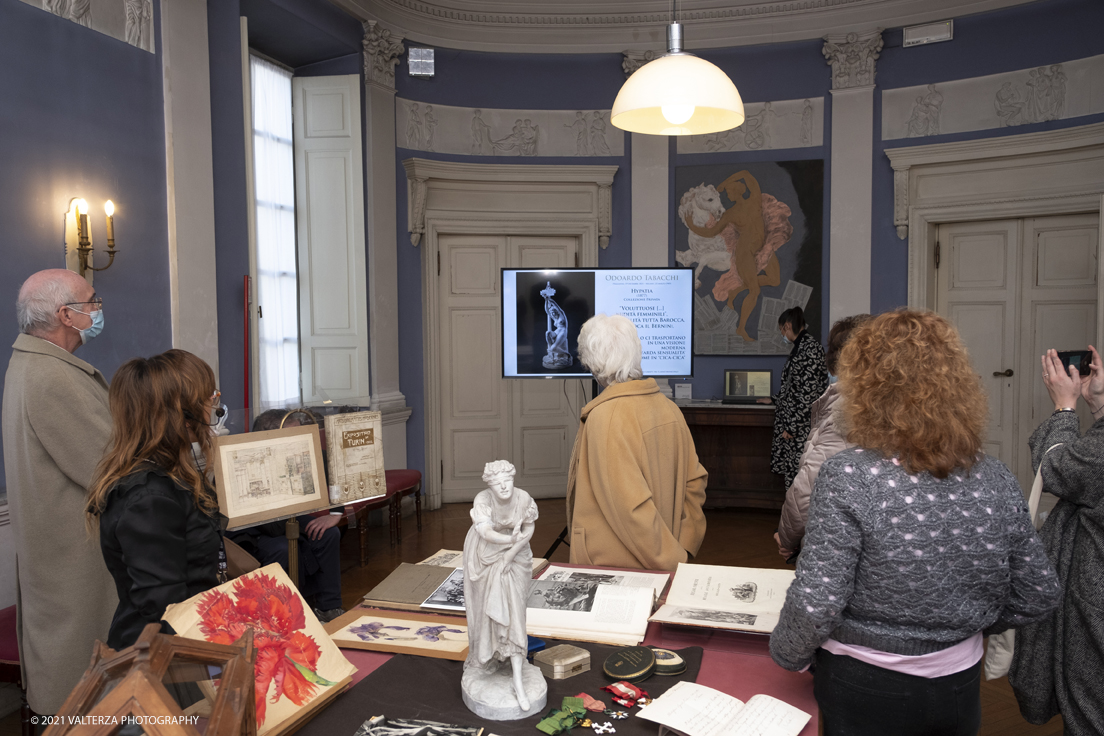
(677, 94)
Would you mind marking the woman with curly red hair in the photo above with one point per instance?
(157, 514)
(918, 544)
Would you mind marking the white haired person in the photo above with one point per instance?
(498, 571)
(635, 489)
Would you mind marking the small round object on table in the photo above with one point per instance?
(668, 662)
(631, 664)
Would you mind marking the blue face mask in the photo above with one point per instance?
(832, 378)
(94, 329)
(786, 340)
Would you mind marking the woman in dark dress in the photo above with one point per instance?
(156, 512)
(804, 379)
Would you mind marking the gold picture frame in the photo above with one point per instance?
(263, 476)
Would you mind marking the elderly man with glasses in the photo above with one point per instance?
(56, 424)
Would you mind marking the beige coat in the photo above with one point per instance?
(824, 442)
(635, 489)
(56, 425)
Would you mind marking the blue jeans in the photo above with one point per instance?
(857, 699)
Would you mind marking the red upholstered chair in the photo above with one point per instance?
(399, 483)
(9, 665)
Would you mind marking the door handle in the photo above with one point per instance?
(1007, 373)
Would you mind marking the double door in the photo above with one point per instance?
(1015, 288)
(484, 417)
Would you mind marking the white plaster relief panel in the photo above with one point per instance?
(1010, 99)
(127, 20)
(768, 125)
(472, 131)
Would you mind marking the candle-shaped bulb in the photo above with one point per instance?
(82, 207)
(109, 208)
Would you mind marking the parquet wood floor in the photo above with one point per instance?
(734, 537)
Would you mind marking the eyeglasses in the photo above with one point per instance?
(216, 396)
(97, 303)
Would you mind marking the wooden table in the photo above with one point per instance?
(734, 444)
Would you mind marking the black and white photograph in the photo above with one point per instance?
(720, 617)
(383, 726)
(449, 594)
(551, 309)
(559, 595)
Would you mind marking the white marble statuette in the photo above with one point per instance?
(499, 684)
(555, 334)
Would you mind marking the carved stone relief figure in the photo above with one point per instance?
(555, 334)
(633, 60)
(80, 12)
(57, 7)
(1042, 97)
(139, 15)
(807, 123)
(529, 133)
(413, 127)
(481, 144)
(582, 134)
(430, 127)
(598, 143)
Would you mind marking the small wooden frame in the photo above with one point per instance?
(129, 687)
(413, 621)
(263, 476)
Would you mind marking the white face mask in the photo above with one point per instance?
(198, 457)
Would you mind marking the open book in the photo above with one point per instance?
(583, 610)
(719, 597)
(697, 710)
(455, 558)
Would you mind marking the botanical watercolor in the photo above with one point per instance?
(415, 636)
(296, 662)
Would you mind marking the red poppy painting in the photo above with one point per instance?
(296, 662)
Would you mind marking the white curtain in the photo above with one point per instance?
(274, 187)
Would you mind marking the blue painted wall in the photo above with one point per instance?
(82, 114)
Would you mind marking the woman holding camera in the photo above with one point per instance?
(1059, 661)
(917, 545)
(157, 513)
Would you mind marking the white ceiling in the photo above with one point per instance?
(582, 26)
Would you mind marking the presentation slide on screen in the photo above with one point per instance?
(543, 311)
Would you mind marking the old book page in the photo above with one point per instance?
(715, 596)
(698, 710)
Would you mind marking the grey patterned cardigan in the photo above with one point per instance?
(1059, 661)
(909, 563)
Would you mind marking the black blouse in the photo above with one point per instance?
(159, 547)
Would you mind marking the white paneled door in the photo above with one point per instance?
(530, 422)
(1015, 288)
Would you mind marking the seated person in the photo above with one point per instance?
(319, 543)
(156, 512)
(635, 489)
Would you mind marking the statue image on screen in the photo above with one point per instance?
(498, 683)
(556, 333)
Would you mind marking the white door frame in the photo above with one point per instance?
(1047, 173)
(493, 199)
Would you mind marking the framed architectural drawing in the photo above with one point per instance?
(355, 447)
(261, 476)
(443, 637)
(753, 234)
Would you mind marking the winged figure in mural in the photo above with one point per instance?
(752, 229)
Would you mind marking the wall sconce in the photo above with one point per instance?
(78, 238)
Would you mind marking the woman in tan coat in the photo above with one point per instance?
(824, 442)
(635, 490)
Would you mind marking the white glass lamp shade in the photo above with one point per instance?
(678, 94)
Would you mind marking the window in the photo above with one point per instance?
(277, 282)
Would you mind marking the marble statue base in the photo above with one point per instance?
(490, 694)
(562, 361)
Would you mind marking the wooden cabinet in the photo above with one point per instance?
(734, 445)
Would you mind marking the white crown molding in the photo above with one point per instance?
(579, 26)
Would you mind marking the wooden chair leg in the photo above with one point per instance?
(362, 530)
(418, 506)
(26, 714)
(398, 518)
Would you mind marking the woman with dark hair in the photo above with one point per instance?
(157, 513)
(918, 544)
(804, 378)
(824, 442)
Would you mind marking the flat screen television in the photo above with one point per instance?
(544, 309)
